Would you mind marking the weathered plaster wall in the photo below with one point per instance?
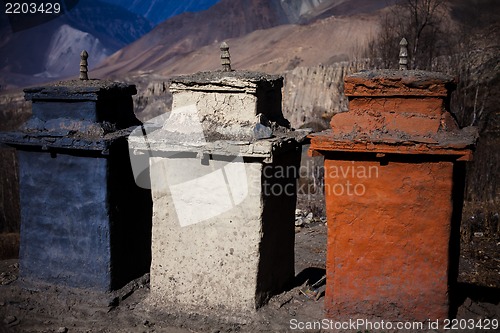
(210, 263)
(393, 197)
(223, 220)
(232, 261)
(229, 111)
(388, 248)
(231, 104)
(65, 229)
(391, 114)
(85, 222)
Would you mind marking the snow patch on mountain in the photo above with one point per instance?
(63, 53)
(296, 10)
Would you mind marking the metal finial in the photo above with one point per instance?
(403, 55)
(225, 58)
(83, 65)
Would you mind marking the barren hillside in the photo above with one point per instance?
(257, 35)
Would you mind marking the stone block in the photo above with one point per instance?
(410, 103)
(229, 103)
(387, 254)
(90, 100)
(85, 223)
(398, 83)
(78, 110)
(398, 122)
(423, 106)
(223, 170)
(220, 242)
(393, 197)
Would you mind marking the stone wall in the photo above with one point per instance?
(79, 210)
(192, 269)
(311, 95)
(366, 228)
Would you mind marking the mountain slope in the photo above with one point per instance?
(112, 28)
(167, 50)
(112, 24)
(189, 42)
(296, 11)
(68, 42)
(158, 11)
(190, 31)
(53, 48)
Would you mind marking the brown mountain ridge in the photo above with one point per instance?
(262, 35)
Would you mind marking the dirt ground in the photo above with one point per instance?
(49, 309)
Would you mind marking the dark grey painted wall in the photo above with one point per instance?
(65, 234)
(84, 221)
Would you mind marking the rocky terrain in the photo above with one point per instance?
(50, 310)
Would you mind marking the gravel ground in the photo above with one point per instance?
(49, 309)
